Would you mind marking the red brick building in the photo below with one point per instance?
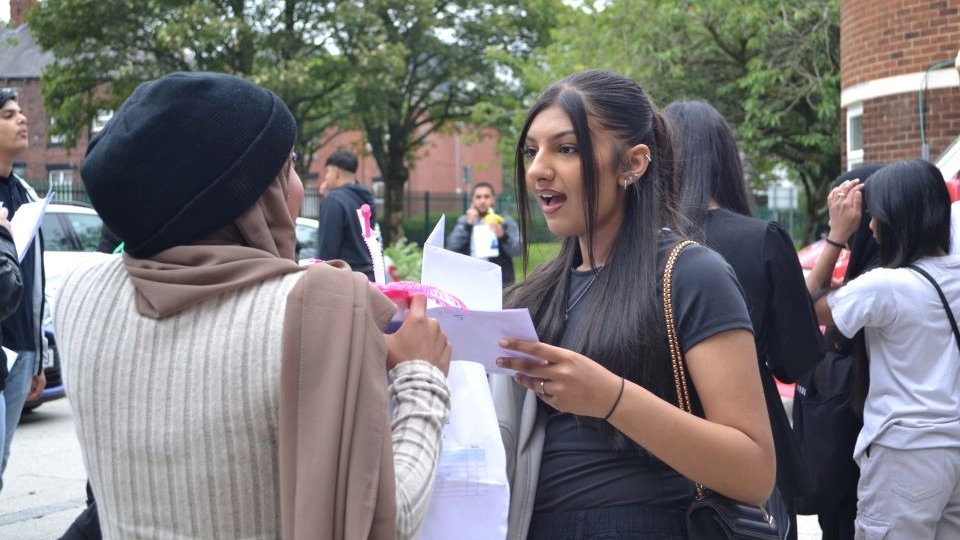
(445, 165)
(900, 90)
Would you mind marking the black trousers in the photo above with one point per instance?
(87, 524)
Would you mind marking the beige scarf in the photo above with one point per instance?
(258, 245)
(336, 455)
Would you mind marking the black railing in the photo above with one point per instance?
(63, 194)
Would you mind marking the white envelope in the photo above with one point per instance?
(473, 334)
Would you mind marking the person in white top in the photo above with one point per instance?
(909, 448)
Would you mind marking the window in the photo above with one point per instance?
(86, 227)
(101, 120)
(60, 180)
(65, 230)
(55, 140)
(854, 136)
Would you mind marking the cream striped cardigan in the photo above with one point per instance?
(177, 418)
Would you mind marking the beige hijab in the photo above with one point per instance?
(258, 245)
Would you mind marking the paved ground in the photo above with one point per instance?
(44, 483)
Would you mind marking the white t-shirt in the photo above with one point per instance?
(914, 397)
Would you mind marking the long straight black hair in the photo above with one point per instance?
(624, 320)
(710, 158)
(910, 206)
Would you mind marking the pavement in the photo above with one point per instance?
(44, 482)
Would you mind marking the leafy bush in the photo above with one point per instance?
(407, 258)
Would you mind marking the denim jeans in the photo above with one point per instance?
(15, 395)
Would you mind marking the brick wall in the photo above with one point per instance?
(884, 38)
(888, 38)
(19, 10)
(891, 127)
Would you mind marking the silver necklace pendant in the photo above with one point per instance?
(566, 314)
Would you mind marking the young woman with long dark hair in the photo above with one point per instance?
(596, 444)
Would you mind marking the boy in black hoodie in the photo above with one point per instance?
(340, 233)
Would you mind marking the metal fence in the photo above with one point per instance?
(63, 194)
(423, 208)
(415, 203)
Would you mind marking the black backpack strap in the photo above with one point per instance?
(943, 299)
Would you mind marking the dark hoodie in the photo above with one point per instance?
(340, 235)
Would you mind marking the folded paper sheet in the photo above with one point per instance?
(26, 223)
(473, 333)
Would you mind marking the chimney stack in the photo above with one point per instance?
(19, 10)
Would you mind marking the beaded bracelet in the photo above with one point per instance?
(617, 402)
(833, 243)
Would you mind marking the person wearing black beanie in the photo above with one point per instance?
(220, 389)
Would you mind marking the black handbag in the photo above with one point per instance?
(827, 429)
(712, 516)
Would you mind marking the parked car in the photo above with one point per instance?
(70, 235)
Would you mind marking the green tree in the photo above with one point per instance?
(771, 67)
(105, 48)
(398, 70)
(420, 66)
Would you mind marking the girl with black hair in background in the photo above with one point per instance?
(908, 450)
(596, 445)
(828, 409)
(714, 198)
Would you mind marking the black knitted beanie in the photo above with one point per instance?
(185, 155)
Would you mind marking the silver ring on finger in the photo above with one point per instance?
(542, 391)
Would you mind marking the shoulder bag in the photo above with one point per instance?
(712, 516)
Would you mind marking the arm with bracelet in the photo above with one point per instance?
(844, 204)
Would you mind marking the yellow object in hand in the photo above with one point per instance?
(492, 219)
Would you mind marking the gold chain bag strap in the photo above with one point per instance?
(711, 516)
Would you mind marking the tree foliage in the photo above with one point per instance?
(105, 48)
(398, 70)
(771, 67)
(420, 66)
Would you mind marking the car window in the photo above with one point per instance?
(307, 240)
(87, 228)
(55, 238)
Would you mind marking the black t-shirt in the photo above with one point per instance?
(579, 468)
(765, 261)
